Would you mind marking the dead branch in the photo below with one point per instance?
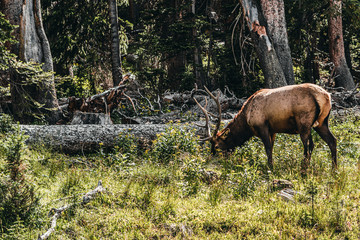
(107, 92)
(288, 194)
(103, 102)
(85, 199)
(148, 101)
(132, 103)
(227, 90)
(159, 103)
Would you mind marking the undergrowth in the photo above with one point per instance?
(177, 190)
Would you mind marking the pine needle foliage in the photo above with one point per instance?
(18, 199)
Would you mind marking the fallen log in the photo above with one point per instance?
(88, 137)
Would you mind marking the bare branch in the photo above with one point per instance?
(85, 199)
(159, 103)
(151, 106)
(132, 103)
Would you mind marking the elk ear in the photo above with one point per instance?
(225, 133)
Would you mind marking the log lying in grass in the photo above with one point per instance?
(57, 211)
(87, 138)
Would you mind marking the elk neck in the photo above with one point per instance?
(237, 131)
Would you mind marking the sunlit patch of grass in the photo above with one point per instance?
(152, 198)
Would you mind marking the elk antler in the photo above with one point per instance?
(207, 119)
(206, 113)
(219, 110)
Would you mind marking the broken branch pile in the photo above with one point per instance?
(104, 102)
(344, 99)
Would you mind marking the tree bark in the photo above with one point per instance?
(175, 68)
(198, 66)
(47, 58)
(175, 60)
(115, 43)
(343, 77)
(32, 46)
(134, 12)
(269, 62)
(47, 88)
(274, 13)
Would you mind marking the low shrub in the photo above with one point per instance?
(173, 142)
(18, 199)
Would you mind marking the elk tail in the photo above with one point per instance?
(323, 102)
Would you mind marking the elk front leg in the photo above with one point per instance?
(308, 148)
(268, 141)
(329, 138)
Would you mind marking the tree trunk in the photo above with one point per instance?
(348, 54)
(134, 12)
(274, 14)
(175, 60)
(175, 69)
(308, 76)
(115, 43)
(269, 62)
(47, 88)
(342, 73)
(198, 66)
(311, 64)
(32, 46)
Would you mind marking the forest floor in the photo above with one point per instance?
(177, 190)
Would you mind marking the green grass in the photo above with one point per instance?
(177, 190)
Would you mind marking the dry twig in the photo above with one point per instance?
(58, 211)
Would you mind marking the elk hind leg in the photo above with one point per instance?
(329, 138)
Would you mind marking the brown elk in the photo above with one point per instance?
(291, 109)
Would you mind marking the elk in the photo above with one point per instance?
(293, 109)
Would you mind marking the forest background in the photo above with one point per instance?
(171, 45)
(174, 187)
(160, 41)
